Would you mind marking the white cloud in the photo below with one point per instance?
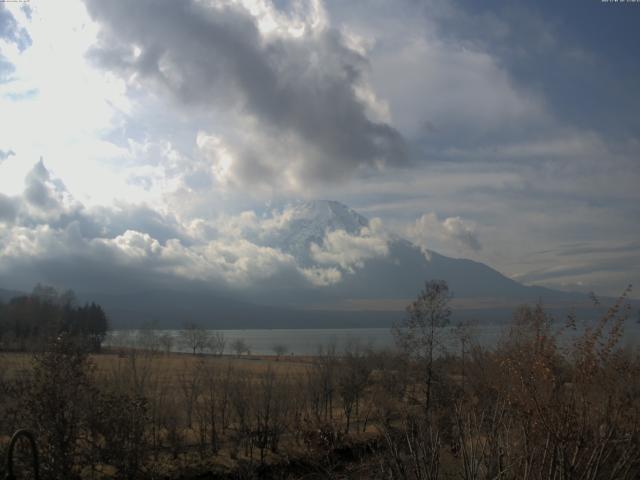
(351, 251)
(322, 277)
(454, 230)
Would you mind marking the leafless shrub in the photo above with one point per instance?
(270, 411)
(572, 413)
(190, 384)
(120, 426)
(412, 452)
(418, 334)
(57, 405)
(213, 407)
(353, 378)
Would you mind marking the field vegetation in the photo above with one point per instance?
(535, 406)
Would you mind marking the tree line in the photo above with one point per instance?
(27, 322)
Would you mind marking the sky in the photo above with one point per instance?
(164, 139)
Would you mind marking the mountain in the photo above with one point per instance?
(307, 223)
(373, 290)
(398, 275)
(372, 294)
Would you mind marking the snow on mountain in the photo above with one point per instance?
(307, 223)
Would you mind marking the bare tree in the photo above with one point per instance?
(326, 364)
(213, 409)
(352, 380)
(418, 333)
(239, 346)
(279, 349)
(194, 337)
(464, 335)
(217, 343)
(166, 341)
(242, 401)
(190, 383)
(147, 337)
(271, 406)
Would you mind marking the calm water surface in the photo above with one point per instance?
(308, 342)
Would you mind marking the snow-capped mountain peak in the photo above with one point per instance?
(329, 215)
(308, 222)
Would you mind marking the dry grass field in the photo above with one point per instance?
(111, 364)
(211, 413)
(175, 362)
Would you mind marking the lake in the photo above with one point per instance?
(308, 341)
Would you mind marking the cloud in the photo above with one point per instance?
(447, 95)
(533, 44)
(351, 251)
(439, 90)
(454, 230)
(46, 200)
(41, 191)
(461, 231)
(135, 255)
(11, 31)
(290, 85)
(4, 154)
(237, 263)
(6, 69)
(322, 277)
(47, 235)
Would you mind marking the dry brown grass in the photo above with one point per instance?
(13, 364)
(174, 362)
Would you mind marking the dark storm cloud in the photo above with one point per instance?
(40, 191)
(110, 222)
(581, 56)
(295, 87)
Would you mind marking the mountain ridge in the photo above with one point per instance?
(370, 293)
